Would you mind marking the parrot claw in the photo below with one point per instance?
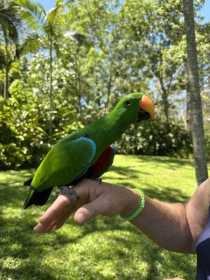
(99, 180)
(70, 193)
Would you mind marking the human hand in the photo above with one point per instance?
(94, 199)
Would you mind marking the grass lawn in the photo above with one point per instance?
(104, 248)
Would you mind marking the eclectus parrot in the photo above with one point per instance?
(87, 153)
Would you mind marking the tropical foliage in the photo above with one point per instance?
(62, 68)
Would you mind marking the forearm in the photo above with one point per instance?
(166, 224)
(176, 226)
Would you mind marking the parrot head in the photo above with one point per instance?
(134, 107)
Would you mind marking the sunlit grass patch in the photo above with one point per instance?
(102, 249)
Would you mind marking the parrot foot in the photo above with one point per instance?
(99, 180)
(70, 193)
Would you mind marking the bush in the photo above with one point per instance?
(28, 128)
(156, 138)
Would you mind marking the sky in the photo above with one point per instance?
(47, 3)
(204, 12)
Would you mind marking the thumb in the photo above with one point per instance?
(87, 212)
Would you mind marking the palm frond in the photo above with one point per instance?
(54, 13)
(31, 44)
(33, 13)
(9, 22)
(8, 28)
(69, 2)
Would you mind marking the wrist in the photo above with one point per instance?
(132, 202)
(135, 211)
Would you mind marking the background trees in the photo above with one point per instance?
(70, 64)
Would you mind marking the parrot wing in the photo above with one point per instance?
(65, 162)
(102, 164)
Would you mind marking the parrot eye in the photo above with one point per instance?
(128, 103)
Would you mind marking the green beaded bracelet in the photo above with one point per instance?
(138, 210)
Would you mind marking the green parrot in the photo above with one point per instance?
(87, 152)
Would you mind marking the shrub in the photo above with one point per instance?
(28, 128)
(156, 138)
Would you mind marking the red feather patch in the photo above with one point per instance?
(103, 162)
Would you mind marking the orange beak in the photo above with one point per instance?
(148, 106)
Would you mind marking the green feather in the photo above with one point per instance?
(66, 161)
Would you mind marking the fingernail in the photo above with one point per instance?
(37, 228)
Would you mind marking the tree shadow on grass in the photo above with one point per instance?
(133, 173)
(169, 161)
(148, 252)
(22, 251)
(168, 194)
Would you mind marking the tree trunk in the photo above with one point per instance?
(51, 76)
(79, 79)
(6, 78)
(51, 86)
(109, 91)
(194, 91)
(188, 108)
(6, 82)
(165, 106)
(164, 96)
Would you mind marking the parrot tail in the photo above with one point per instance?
(37, 198)
(28, 182)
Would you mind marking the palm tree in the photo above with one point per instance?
(47, 27)
(10, 23)
(12, 16)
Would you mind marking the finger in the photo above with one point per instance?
(56, 226)
(55, 210)
(59, 210)
(88, 211)
(59, 222)
(42, 228)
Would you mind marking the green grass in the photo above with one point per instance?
(106, 248)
